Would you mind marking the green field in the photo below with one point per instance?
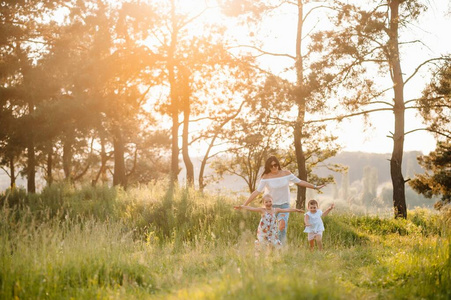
(152, 242)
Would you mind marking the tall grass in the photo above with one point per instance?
(154, 242)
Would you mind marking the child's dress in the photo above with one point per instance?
(267, 232)
(317, 225)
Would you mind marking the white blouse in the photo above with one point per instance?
(278, 188)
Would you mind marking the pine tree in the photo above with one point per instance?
(437, 179)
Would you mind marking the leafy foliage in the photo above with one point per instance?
(435, 104)
(437, 179)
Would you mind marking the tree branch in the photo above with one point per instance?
(430, 130)
(339, 118)
(264, 52)
(424, 63)
(314, 8)
(7, 173)
(429, 99)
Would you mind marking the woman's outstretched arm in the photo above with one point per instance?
(252, 197)
(309, 185)
(288, 210)
(250, 208)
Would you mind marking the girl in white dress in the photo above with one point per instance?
(314, 225)
(267, 232)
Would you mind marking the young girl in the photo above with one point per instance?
(267, 232)
(314, 225)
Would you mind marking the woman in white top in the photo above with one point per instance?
(276, 182)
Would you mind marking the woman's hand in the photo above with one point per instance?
(238, 207)
(318, 187)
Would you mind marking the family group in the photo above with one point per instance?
(272, 229)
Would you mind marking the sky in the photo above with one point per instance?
(433, 30)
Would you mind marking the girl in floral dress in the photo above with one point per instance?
(267, 232)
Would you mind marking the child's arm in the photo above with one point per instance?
(306, 221)
(329, 209)
(278, 210)
(250, 208)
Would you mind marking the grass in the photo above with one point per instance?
(154, 243)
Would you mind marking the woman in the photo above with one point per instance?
(276, 182)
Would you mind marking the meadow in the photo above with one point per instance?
(152, 242)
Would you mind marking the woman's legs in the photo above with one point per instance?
(282, 218)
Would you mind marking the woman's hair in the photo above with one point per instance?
(268, 163)
(312, 202)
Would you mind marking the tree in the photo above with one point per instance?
(435, 104)
(173, 41)
(252, 148)
(435, 108)
(437, 179)
(217, 132)
(368, 35)
(21, 28)
(11, 145)
(100, 68)
(290, 103)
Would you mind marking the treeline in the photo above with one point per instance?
(93, 90)
(119, 91)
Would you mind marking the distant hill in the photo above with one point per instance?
(357, 161)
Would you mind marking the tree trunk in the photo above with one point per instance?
(202, 183)
(300, 101)
(174, 149)
(103, 160)
(174, 112)
(67, 157)
(50, 165)
(184, 84)
(30, 144)
(31, 156)
(203, 164)
(13, 172)
(302, 172)
(119, 176)
(399, 197)
(31, 167)
(186, 159)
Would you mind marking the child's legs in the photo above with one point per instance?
(312, 244)
(282, 219)
(319, 240)
(311, 239)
